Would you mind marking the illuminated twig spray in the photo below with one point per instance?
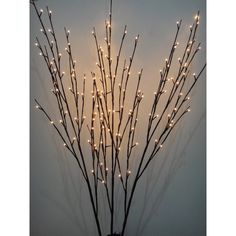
(111, 124)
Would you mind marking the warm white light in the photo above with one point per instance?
(161, 146)
(74, 138)
(51, 122)
(37, 106)
(119, 175)
(41, 10)
(188, 110)
(92, 171)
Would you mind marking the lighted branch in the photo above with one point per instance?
(113, 119)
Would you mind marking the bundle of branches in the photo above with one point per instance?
(112, 123)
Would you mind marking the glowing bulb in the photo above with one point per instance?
(125, 31)
(129, 172)
(161, 146)
(36, 44)
(41, 10)
(188, 110)
(64, 144)
(136, 144)
(88, 141)
(40, 54)
(199, 48)
(177, 22)
(37, 106)
(50, 12)
(107, 169)
(103, 182)
(51, 122)
(175, 109)
(156, 141)
(119, 175)
(92, 171)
